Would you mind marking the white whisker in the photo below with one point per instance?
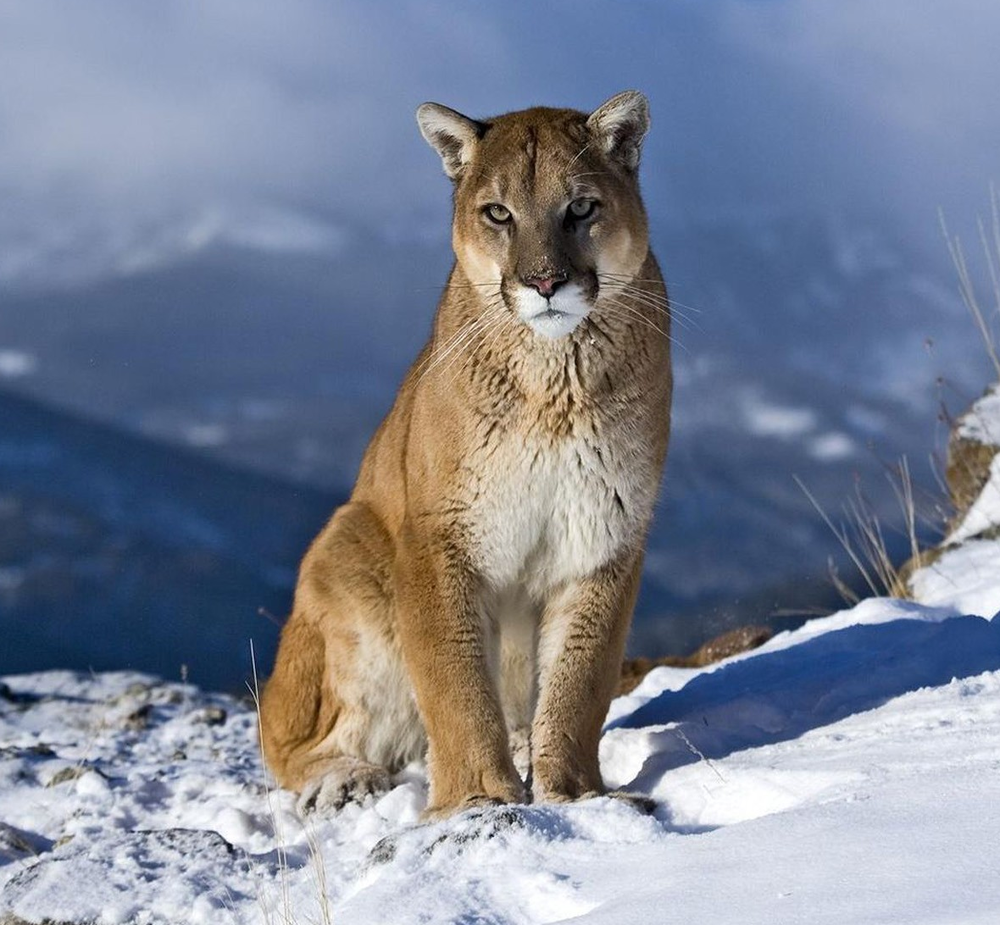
(629, 314)
(475, 343)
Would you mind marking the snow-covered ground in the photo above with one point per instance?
(845, 772)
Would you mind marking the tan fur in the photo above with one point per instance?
(474, 595)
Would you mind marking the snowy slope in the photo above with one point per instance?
(845, 772)
(838, 774)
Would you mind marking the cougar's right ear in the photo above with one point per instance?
(451, 134)
(620, 125)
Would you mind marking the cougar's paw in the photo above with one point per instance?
(343, 781)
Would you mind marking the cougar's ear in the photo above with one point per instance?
(620, 125)
(451, 134)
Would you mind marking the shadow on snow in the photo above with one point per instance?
(777, 696)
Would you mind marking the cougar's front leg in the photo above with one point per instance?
(446, 647)
(580, 654)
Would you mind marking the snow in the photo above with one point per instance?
(844, 772)
(847, 771)
(982, 422)
(984, 514)
(969, 575)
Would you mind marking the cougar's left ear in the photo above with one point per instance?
(451, 134)
(620, 125)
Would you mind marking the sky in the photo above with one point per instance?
(136, 133)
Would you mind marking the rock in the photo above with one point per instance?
(210, 716)
(973, 446)
(17, 698)
(741, 639)
(17, 844)
(65, 775)
(138, 719)
(967, 473)
(73, 772)
(973, 443)
(11, 919)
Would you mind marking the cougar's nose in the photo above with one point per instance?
(546, 284)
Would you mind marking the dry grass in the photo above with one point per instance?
(969, 459)
(989, 239)
(863, 537)
(277, 830)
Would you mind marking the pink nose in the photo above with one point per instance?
(546, 285)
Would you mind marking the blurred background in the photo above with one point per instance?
(222, 240)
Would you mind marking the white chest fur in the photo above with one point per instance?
(554, 510)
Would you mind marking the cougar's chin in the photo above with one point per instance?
(556, 316)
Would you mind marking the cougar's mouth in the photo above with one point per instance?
(556, 316)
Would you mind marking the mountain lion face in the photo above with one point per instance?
(547, 209)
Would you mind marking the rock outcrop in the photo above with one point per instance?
(970, 551)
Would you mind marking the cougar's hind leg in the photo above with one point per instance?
(297, 708)
(337, 715)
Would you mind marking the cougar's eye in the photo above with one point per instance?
(581, 208)
(497, 213)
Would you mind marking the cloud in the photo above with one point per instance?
(125, 120)
(16, 363)
(766, 419)
(904, 86)
(130, 121)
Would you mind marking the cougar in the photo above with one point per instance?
(472, 599)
